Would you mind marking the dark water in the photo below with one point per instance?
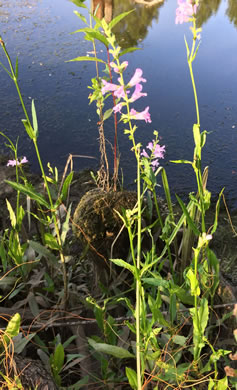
(38, 31)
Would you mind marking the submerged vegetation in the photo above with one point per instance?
(106, 288)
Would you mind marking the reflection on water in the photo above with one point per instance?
(134, 28)
(232, 11)
(39, 33)
(103, 9)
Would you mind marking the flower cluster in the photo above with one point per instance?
(186, 9)
(122, 91)
(157, 152)
(13, 163)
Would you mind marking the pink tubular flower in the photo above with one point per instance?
(122, 67)
(136, 79)
(108, 87)
(144, 153)
(119, 93)
(144, 115)
(13, 163)
(137, 93)
(157, 152)
(185, 11)
(118, 108)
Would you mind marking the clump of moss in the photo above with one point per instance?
(96, 221)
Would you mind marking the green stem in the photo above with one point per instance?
(138, 295)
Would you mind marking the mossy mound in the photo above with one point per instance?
(96, 221)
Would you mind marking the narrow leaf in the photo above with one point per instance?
(43, 251)
(108, 349)
(85, 58)
(34, 118)
(107, 114)
(58, 358)
(11, 213)
(97, 35)
(189, 219)
(28, 128)
(16, 68)
(51, 241)
(21, 342)
(117, 19)
(13, 328)
(82, 17)
(132, 377)
(124, 264)
(128, 50)
(28, 190)
(79, 3)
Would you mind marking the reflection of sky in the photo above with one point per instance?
(39, 32)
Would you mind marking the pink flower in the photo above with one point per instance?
(13, 163)
(119, 93)
(159, 151)
(137, 93)
(136, 79)
(144, 115)
(122, 67)
(118, 108)
(185, 11)
(108, 87)
(144, 153)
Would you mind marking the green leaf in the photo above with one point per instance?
(80, 384)
(66, 226)
(51, 241)
(3, 256)
(222, 384)
(79, 3)
(13, 328)
(217, 212)
(11, 213)
(181, 162)
(180, 340)
(129, 50)
(80, 16)
(189, 219)
(34, 307)
(124, 264)
(85, 58)
(195, 290)
(28, 128)
(43, 251)
(16, 68)
(97, 35)
(66, 185)
(34, 118)
(196, 135)
(107, 114)
(29, 190)
(117, 19)
(156, 282)
(9, 74)
(187, 48)
(58, 359)
(21, 342)
(108, 349)
(132, 377)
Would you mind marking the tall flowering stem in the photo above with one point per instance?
(121, 92)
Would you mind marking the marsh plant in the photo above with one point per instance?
(165, 339)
